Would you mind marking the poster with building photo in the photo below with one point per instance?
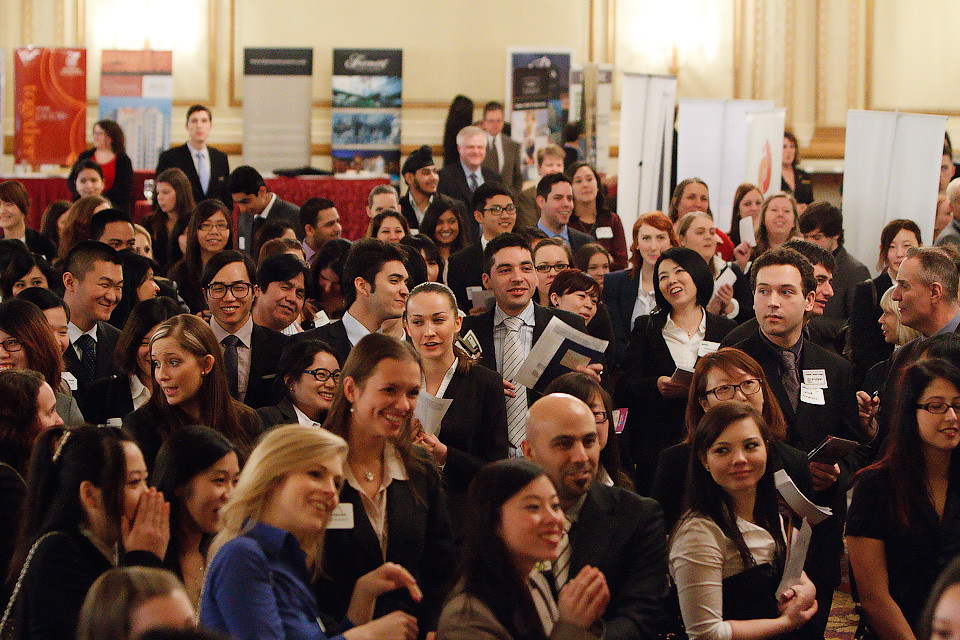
(538, 100)
(365, 119)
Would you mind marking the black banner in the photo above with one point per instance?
(278, 62)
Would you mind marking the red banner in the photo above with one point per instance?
(50, 105)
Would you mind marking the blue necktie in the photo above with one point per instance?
(203, 170)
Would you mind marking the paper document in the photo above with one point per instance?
(796, 558)
(800, 544)
(727, 276)
(430, 411)
(559, 349)
(799, 502)
(480, 297)
(746, 232)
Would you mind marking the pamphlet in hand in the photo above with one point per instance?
(682, 376)
(560, 349)
(799, 545)
(832, 450)
(746, 232)
(430, 411)
(727, 276)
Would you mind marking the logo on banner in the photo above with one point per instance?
(71, 64)
(27, 55)
(766, 168)
(359, 62)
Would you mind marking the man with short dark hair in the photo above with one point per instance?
(375, 291)
(459, 180)
(256, 206)
(251, 352)
(555, 199)
(420, 174)
(112, 227)
(609, 528)
(93, 284)
(381, 198)
(320, 222)
(493, 208)
(503, 153)
(282, 281)
(549, 161)
(207, 168)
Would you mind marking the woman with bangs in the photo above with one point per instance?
(592, 216)
(779, 222)
(173, 202)
(574, 291)
(209, 233)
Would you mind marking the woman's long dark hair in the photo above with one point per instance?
(437, 207)
(904, 459)
(18, 431)
(204, 210)
(738, 196)
(135, 270)
(24, 321)
(487, 568)
(143, 317)
(118, 141)
(181, 458)
(459, 116)
(603, 213)
(706, 498)
(694, 264)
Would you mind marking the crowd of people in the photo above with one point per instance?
(230, 421)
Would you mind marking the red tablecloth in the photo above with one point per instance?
(43, 191)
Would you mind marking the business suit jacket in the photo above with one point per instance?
(653, 421)
(120, 191)
(453, 184)
(281, 210)
(619, 297)
(527, 210)
(836, 312)
(510, 173)
(332, 333)
(578, 238)
(107, 398)
(466, 270)
(107, 337)
(482, 327)
(182, 158)
(265, 351)
(280, 413)
(623, 535)
(865, 341)
(418, 538)
(406, 208)
(40, 245)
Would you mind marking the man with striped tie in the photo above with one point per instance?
(610, 528)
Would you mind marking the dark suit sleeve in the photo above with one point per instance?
(638, 382)
(119, 192)
(865, 340)
(490, 441)
(848, 426)
(437, 563)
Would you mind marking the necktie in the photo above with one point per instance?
(203, 170)
(561, 567)
(88, 358)
(474, 183)
(496, 154)
(790, 382)
(513, 357)
(232, 364)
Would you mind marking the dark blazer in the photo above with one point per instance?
(265, 350)
(803, 186)
(334, 334)
(13, 490)
(848, 273)
(865, 341)
(510, 174)
(418, 538)
(107, 398)
(619, 297)
(41, 245)
(482, 327)
(181, 158)
(466, 270)
(527, 210)
(578, 238)
(107, 337)
(623, 535)
(281, 210)
(280, 413)
(653, 421)
(453, 184)
(122, 188)
(406, 208)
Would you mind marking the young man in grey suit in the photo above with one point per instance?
(257, 205)
(503, 153)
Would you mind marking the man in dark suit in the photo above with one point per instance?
(257, 206)
(461, 179)
(493, 207)
(92, 283)
(815, 389)
(375, 290)
(206, 168)
(420, 174)
(555, 199)
(508, 331)
(549, 160)
(503, 153)
(251, 353)
(609, 528)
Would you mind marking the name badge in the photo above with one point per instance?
(71, 380)
(342, 517)
(811, 395)
(816, 378)
(707, 347)
(242, 243)
(604, 233)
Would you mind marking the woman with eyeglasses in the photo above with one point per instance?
(903, 525)
(550, 257)
(209, 233)
(310, 372)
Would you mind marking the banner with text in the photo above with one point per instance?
(49, 105)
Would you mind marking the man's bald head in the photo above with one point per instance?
(561, 437)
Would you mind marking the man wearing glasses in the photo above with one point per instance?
(251, 353)
(493, 207)
(555, 199)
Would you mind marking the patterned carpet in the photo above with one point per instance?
(843, 619)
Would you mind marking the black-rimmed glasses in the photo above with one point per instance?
(322, 375)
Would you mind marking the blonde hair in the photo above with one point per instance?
(904, 333)
(284, 450)
(116, 594)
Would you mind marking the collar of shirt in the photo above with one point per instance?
(266, 210)
(137, 389)
(245, 332)
(950, 327)
(796, 348)
(303, 419)
(564, 233)
(308, 252)
(292, 329)
(674, 329)
(574, 511)
(355, 329)
(199, 152)
(416, 210)
(483, 240)
(467, 172)
(393, 469)
(527, 315)
(74, 332)
(443, 383)
(279, 544)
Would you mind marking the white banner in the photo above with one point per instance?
(764, 145)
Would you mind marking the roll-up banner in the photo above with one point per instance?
(277, 96)
(136, 90)
(50, 105)
(367, 93)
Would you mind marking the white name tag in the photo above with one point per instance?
(71, 380)
(811, 395)
(604, 233)
(816, 378)
(707, 347)
(342, 517)
(241, 243)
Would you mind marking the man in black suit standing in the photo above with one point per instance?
(461, 179)
(503, 153)
(207, 168)
(493, 207)
(420, 174)
(251, 353)
(508, 331)
(609, 528)
(375, 290)
(257, 205)
(92, 285)
(555, 199)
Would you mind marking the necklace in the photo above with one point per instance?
(368, 475)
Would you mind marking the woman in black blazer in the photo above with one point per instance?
(794, 180)
(309, 373)
(655, 402)
(393, 487)
(110, 153)
(865, 341)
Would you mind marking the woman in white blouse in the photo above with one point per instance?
(728, 551)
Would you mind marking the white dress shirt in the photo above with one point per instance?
(500, 332)
(683, 346)
(245, 334)
(303, 420)
(376, 509)
(355, 329)
(74, 332)
(138, 392)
